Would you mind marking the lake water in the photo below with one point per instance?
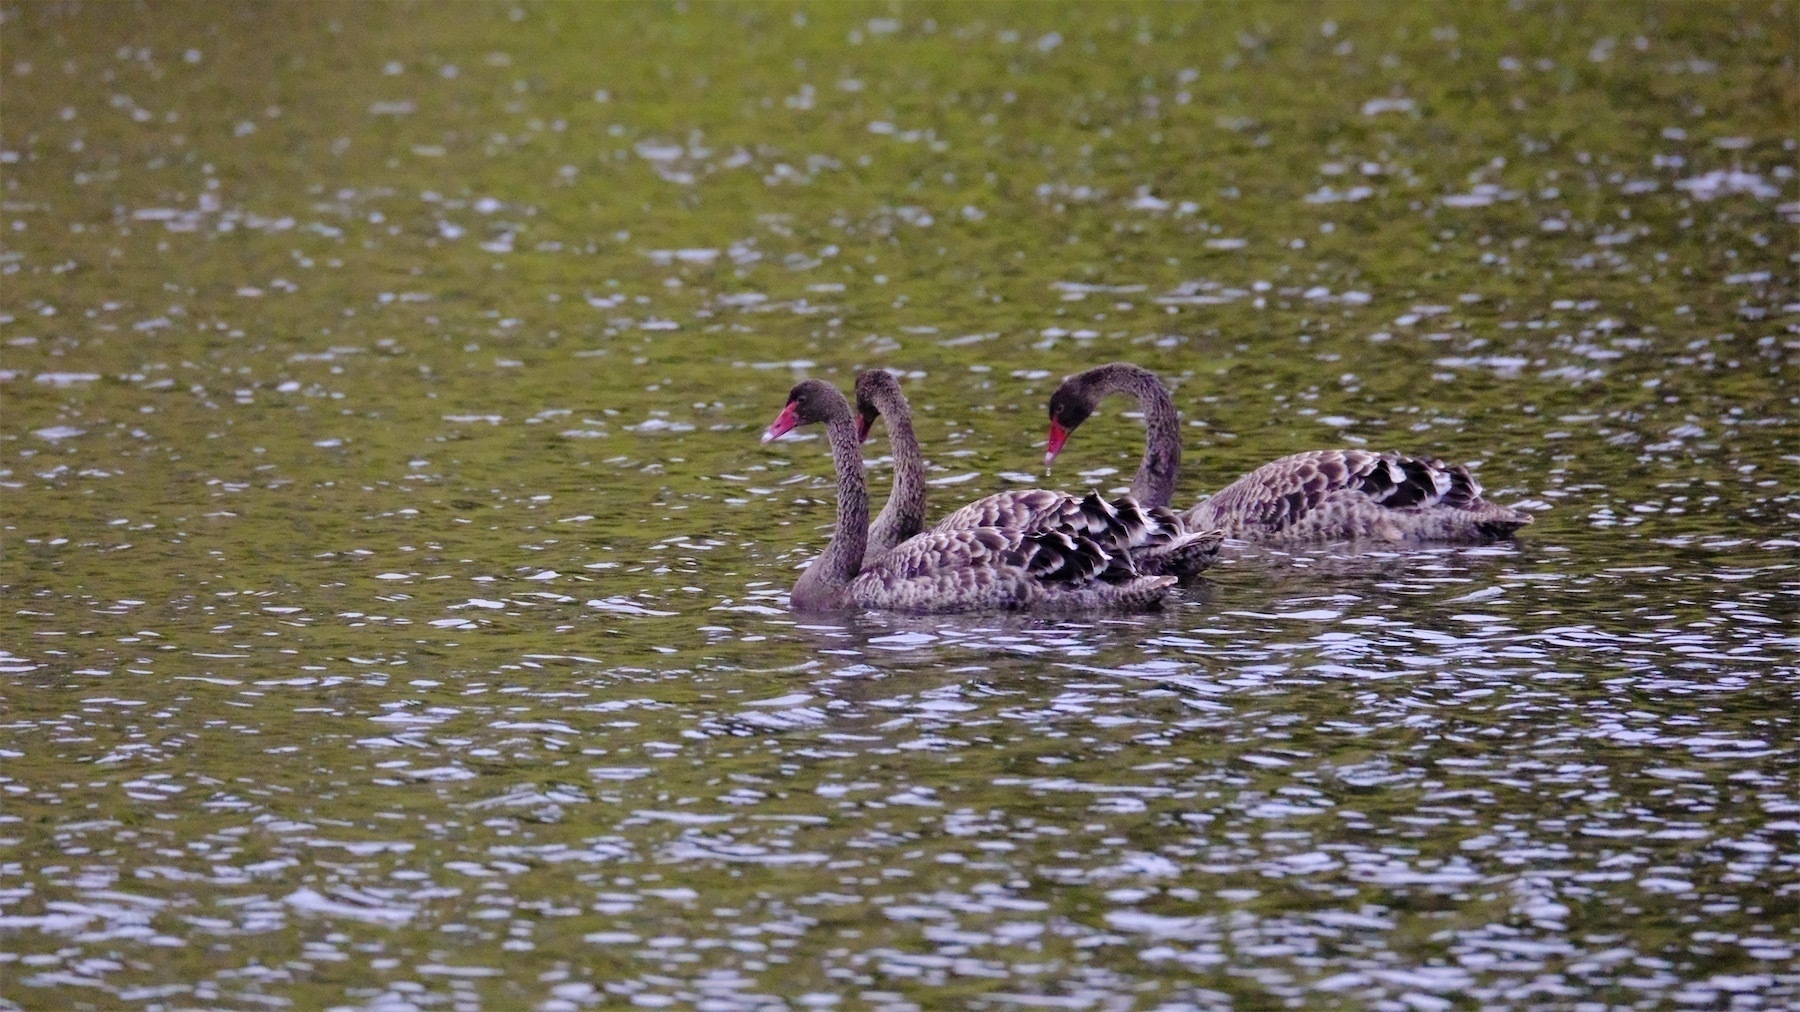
(395, 586)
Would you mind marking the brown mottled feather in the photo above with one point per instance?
(1155, 539)
(1350, 494)
(1000, 569)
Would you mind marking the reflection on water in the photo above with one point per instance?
(395, 590)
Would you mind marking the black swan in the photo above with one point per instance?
(1157, 541)
(974, 569)
(1319, 495)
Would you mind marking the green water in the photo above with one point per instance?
(394, 585)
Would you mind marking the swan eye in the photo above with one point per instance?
(1067, 410)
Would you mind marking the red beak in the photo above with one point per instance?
(1058, 436)
(863, 424)
(782, 423)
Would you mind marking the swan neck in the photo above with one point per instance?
(842, 559)
(1154, 483)
(905, 509)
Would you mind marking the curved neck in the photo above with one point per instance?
(825, 581)
(904, 514)
(1154, 484)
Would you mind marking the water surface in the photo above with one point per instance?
(395, 587)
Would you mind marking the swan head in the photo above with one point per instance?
(873, 386)
(1076, 399)
(810, 401)
(1070, 405)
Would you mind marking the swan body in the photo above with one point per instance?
(974, 569)
(1157, 541)
(1348, 495)
(1001, 569)
(1320, 495)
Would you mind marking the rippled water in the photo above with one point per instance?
(395, 588)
